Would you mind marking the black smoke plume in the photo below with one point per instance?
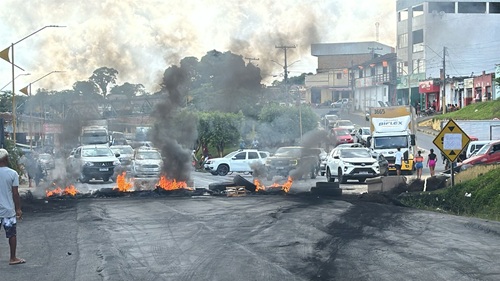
(175, 131)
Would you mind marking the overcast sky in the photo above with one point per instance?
(142, 38)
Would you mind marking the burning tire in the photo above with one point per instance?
(220, 186)
(241, 181)
(326, 191)
(322, 184)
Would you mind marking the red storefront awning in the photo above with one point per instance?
(428, 87)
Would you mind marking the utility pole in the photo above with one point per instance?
(251, 59)
(285, 67)
(443, 101)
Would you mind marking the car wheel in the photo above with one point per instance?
(386, 173)
(223, 170)
(313, 173)
(322, 174)
(214, 173)
(342, 178)
(105, 179)
(329, 177)
(361, 180)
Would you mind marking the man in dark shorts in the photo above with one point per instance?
(10, 204)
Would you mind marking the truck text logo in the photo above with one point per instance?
(391, 123)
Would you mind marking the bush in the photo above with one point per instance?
(14, 156)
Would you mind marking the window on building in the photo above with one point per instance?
(384, 70)
(372, 71)
(360, 74)
(418, 40)
(446, 7)
(403, 15)
(339, 76)
(403, 40)
(418, 10)
(471, 7)
(494, 8)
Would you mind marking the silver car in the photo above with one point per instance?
(47, 161)
(147, 162)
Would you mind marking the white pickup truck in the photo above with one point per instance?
(242, 161)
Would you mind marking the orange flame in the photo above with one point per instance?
(169, 184)
(69, 190)
(285, 187)
(258, 185)
(122, 184)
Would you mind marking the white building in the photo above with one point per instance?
(463, 33)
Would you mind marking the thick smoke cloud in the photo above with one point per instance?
(173, 129)
(142, 38)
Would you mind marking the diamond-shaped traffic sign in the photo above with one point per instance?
(451, 140)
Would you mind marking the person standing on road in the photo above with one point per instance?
(10, 204)
(419, 164)
(399, 161)
(431, 162)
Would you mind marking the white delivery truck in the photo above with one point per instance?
(391, 128)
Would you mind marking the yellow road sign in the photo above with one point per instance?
(451, 140)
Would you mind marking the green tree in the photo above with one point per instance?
(87, 89)
(103, 77)
(218, 129)
(128, 90)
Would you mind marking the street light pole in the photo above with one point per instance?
(22, 74)
(6, 51)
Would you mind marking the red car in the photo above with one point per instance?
(488, 154)
(340, 136)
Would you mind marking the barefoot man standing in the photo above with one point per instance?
(10, 204)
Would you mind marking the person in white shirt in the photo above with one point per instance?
(399, 161)
(10, 204)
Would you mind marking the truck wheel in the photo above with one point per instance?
(361, 180)
(342, 178)
(223, 170)
(329, 177)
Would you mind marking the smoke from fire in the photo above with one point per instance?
(173, 130)
(142, 38)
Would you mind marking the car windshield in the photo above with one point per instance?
(230, 155)
(97, 152)
(148, 155)
(342, 132)
(483, 150)
(355, 153)
(344, 123)
(123, 150)
(390, 142)
(288, 151)
(331, 117)
(366, 131)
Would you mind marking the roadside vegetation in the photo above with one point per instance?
(476, 111)
(476, 193)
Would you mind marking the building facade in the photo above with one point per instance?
(454, 35)
(332, 81)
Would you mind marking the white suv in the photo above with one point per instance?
(94, 162)
(237, 161)
(351, 163)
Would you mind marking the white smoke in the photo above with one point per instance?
(141, 39)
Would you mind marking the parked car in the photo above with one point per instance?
(126, 154)
(351, 163)
(93, 162)
(340, 136)
(362, 135)
(488, 154)
(47, 161)
(329, 120)
(340, 103)
(344, 124)
(306, 161)
(241, 161)
(147, 162)
(474, 146)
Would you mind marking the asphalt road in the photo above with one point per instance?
(256, 237)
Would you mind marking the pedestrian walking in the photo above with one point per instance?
(431, 162)
(10, 204)
(419, 164)
(399, 161)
